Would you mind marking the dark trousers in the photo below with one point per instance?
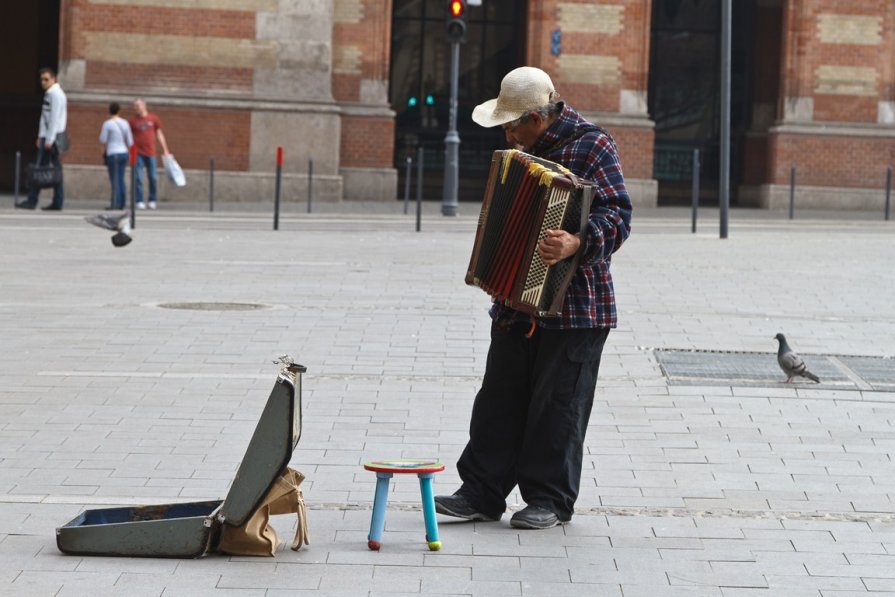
(530, 417)
(45, 156)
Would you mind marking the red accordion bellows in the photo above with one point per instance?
(525, 197)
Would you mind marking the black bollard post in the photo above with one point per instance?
(419, 187)
(888, 191)
(133, 162)
(310, 180)
(211, 184)
(408, 161)
(18, 171)
(276, 192)
(792, 191)
(695, 189)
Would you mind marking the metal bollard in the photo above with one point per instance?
(276, 192)
(133, 160)
(695, 189)
(888, 191)
(19, 169)
(211, 184)
(408, 161)
(419, 187)
(792, 191)
(310, 179)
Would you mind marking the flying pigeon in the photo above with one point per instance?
(791, 363)
(119, 223)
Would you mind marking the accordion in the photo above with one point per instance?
(526, 196)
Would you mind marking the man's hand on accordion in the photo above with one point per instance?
(558, 245)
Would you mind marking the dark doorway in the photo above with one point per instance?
(419, 87)
(684, 94)
(29, 40)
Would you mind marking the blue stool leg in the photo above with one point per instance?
(429, 511)
(377, 523)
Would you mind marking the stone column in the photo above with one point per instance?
(301, 117)
(361, 56)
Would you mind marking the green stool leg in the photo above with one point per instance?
(429, 511)
(377, 523)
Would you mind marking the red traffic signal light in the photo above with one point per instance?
(456, 21)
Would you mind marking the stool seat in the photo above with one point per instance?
(404, 466)
(384, 469)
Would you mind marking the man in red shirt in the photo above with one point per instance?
(146, 127)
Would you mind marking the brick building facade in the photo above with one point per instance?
(826, 103)
(233, 79)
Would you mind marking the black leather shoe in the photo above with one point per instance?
(51, 208)
(26, 205)
(458, 507)
(534, 517)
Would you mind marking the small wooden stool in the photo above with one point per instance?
(384, 469)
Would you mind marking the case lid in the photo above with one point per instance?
(270, 448)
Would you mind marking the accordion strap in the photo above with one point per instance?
(579, 132)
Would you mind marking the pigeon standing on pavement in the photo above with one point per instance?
(119, 223)
(791, 363)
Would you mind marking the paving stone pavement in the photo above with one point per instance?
(108, 398)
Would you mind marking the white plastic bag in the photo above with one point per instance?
(174, 171)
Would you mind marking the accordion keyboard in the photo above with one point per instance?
(535, 281)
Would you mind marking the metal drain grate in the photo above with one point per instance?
(878, 372)
(697, 367)
(214, 306)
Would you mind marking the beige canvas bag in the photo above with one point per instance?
(256, 537)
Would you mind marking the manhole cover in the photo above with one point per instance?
(696, 367)
(214, 306)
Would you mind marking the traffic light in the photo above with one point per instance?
(456, 21)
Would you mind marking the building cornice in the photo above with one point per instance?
(366, 110)
(207, 102)
(616, 119)
(833, 129)
(234, 103)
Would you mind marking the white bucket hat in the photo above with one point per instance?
(521, 91)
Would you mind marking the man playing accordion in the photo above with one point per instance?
(530, 416)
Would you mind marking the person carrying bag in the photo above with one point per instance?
(52, 139)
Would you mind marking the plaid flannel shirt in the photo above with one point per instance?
(590, 300)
